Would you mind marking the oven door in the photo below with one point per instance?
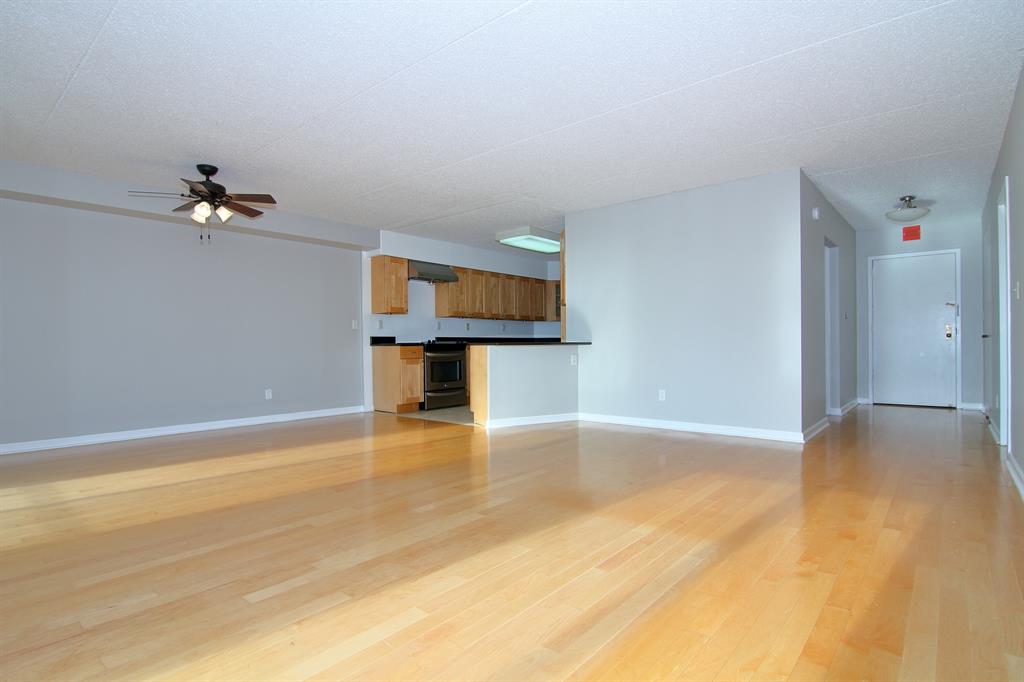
(444, 370)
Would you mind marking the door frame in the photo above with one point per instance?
(871, 315)
(1004, 311)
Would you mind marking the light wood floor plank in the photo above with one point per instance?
(375, 547)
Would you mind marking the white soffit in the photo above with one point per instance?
(457, 119)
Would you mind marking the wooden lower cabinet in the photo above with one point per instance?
(397, 378)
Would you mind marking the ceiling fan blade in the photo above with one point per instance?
(254, 198)
(146, 192)
(196, 187)
(185, 207)
(247, 211)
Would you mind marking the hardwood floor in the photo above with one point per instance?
(376, 547)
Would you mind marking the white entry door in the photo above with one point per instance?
(914, 329)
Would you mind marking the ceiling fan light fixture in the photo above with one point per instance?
(224, 214)
(907, 212)
(204, 209)
(196, 216)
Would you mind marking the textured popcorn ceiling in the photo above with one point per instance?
(458, 119)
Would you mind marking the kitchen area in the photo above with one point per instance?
(469, 346)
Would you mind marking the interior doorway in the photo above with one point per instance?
(832, 369)
(914, 328)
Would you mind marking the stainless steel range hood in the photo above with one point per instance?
(431, 272)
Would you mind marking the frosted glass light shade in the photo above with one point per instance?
(531, 239)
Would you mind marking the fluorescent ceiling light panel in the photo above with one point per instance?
(531, 239)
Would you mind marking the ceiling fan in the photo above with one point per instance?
(206, 197)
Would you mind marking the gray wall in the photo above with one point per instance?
(938, 232)
(531, 381)
(1011, 164)
(695, 292)
(813, 233)
(111, 323)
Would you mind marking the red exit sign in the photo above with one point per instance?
(911, 233)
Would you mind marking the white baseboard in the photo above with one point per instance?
(994, 432)
(842, 411)
(114, 436)
(864, 401)
(814, 430)
(1015, 472)
(973, 407)
(715, 429)
(528, 421)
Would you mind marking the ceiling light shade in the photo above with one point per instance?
(531, 239)
(201, 219)
(204, 209)
(224, 214)
(907, 212)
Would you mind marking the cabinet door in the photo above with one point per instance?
(457, 293)
(475, 293)
(441, 308)
(492, 304)
(398, 285)
(506, 297)
(412, 381)
(537, 299)
(523, 311)
(551, 302)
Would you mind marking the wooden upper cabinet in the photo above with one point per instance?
(506, 297)
(492, 303)
(495, 296)
(474, 293)
(389, 285)
(537, 299)
(457, 293)
(552, 300)
(441, 299)
(523, 311)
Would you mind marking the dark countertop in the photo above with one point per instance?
(480, 341)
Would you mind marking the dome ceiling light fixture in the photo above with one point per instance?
(907, 212)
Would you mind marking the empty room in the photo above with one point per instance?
(511, 340)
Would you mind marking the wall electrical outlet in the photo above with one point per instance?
(572, 359)
(661, 394)
(504, 326)
(268, 394)
(355, 324)
(467, 326)
(815, 213)
(380, 324)
(439, 325)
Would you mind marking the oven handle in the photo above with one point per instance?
(445, 354)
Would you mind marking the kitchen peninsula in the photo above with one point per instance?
(505, 381)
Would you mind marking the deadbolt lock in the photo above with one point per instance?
(949, 331)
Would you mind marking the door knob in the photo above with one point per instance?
(949, 331)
